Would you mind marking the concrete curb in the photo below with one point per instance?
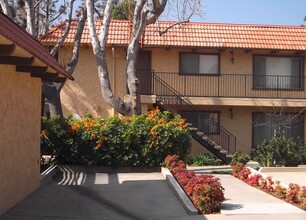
(48, 174)
(282, 169)
(266, 176)
(179, 192)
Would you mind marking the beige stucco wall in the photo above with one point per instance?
(240, 124)
(84, 93)
(20, 98)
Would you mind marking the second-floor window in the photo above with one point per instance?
(277, 72)
(199, 63)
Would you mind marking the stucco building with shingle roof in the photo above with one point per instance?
(24, 64)
(239, 84)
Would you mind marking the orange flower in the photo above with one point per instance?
(89, 124)
(104, 138)
(98, 145)
(43, 132)
(74, 128)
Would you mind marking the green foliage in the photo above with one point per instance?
(240, 158)
(205, 191)
(143, 140)
(122, 9)
(203, 160)
(279, 151)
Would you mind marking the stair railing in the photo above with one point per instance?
(173, 101)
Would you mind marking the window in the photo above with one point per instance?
(266, 126)
(207, 122)
(277, 72)
(199, 63)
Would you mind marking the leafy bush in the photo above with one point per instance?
(143, 140)
(205, 191)
(240, 158)
(203, 160)
(279, 151)
(294, 194)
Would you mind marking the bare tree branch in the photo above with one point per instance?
(77, 41)
(30, 17)
(6, 8)
(55, 49)
(99, 46)
(161, 32)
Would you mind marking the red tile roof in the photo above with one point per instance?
(195, 34)
(19, 37)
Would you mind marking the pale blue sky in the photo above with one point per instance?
(275, 12)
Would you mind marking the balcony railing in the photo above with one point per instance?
(226, 85)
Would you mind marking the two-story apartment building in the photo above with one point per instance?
(238, 84)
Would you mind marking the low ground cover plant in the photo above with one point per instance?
(143, 140)
(240, 158)
(205, 191)
(294, 194)
(203, 160)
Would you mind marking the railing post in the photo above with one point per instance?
(153, 82)
(219, 86)
(185, 81)
(245, 85)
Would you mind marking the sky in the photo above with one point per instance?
(273, 12)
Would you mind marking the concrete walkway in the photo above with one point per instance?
(78, 194)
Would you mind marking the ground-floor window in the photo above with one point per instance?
(207, 122)
(268, 125)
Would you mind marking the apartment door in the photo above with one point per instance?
(144, 72)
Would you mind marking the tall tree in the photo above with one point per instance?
(26, 15)
(145, 13)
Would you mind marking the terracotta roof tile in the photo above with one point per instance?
(196, 34)
(19, 37)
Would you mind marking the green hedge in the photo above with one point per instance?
(279, 151)
(143, 140)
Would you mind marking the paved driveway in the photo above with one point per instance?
(79, 194)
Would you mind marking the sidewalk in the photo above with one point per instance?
(140, 196)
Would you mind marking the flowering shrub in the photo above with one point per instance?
(143, 140)
(240, 171)
(205, 191)
(294, 194)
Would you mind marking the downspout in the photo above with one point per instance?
(114, 73)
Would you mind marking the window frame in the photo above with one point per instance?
(285, 113)
(201, 74)
(301, 75)
(198, 113)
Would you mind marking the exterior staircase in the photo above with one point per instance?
(222, 144)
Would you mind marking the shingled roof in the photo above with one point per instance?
(20, 38)
(197, 34)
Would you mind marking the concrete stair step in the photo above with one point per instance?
(200, 133)
(217, 147)
(223, 152)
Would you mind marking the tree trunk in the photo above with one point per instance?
(52, 90)
(99, 46)
(29, 5)
(6, 8)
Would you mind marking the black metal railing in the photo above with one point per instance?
(175, 102)
(227, 85)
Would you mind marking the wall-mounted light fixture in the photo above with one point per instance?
(232, 57)
(231, 113)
